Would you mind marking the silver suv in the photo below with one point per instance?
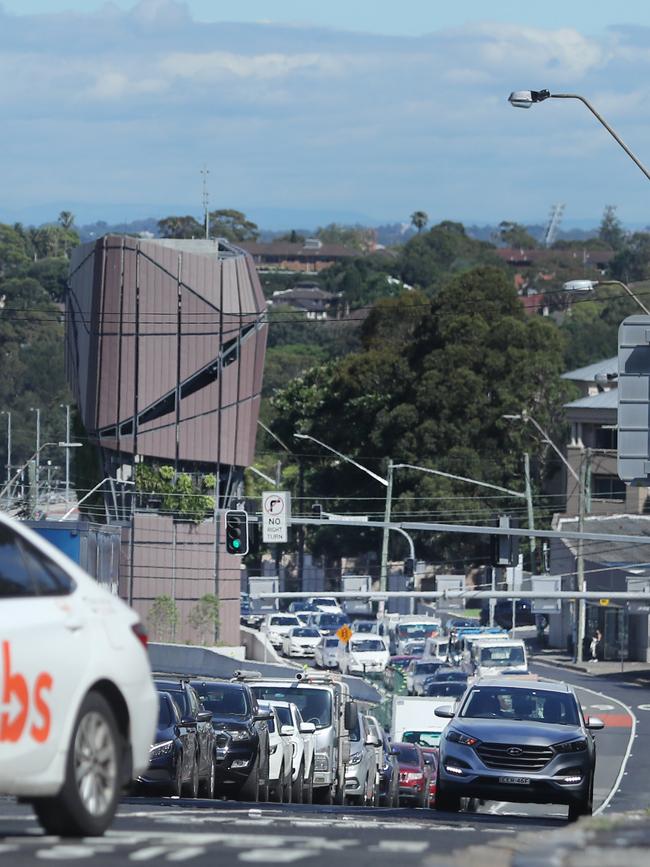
(518, 740)
(361, 770)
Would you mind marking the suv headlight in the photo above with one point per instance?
(321, 762)
(161, 749)
(355, 758)
(461, 738)
(577, 746)
(238, 734)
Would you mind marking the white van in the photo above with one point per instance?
(362, 654)
(493, 658)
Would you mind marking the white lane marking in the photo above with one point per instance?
(65, 853)
(617, 783)
(413, 846)
(494, 808)
(186, 853)
(275, 856)
(601, 707)
(148, 853)
(643, 706)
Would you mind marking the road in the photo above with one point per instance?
(168, 830)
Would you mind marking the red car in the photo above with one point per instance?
(414, 775)
(431, 756)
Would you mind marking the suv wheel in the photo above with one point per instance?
(208, 784)
(249, 790)
(191, 789)
(445, 801)
(296, 788)
(87, 802)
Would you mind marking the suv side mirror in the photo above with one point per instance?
(351, 716)
(189, 722)
(263, 716)
(372, 741)
(307, 728)
(446, 711)
(205, 716)
(289, 731)
(594, 724)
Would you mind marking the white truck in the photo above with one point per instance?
(356, 584)
(258, 584)
(493, 657)
(415, 722)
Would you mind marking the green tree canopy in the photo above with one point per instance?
(180, 227)
(232, 225)
(610, 230)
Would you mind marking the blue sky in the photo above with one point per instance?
(306, 112)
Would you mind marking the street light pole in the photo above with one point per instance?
(67, 451)
(37, 453)
(8, 414)
(588, 285)
(383, 572)
(527, 98)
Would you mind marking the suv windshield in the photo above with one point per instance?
(366, 645)
(223, 699)
(416, 630)
(522, 705)
(315, 705)
(332, 619)
(284, 621)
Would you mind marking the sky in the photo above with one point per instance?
(306, 113)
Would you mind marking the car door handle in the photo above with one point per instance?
(73, 624)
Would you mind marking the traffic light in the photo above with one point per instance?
(505, 549)
(409, 567)
(316, 510)
(634, 399)
(236, 531)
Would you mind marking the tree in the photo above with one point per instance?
(163, 619)
(610, 230)
(66, 219)
(356, 237)
(180, 227)
(419, 219)
(232, 225)
(515, 235)
(632, 262)
(204, 619)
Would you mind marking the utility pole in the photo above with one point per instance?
(531, 514)
(67, 451)
(8, 414)
(205, 171)
(383, 574)
(37, 468)
(580, 559)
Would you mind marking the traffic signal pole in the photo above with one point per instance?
(383, 574)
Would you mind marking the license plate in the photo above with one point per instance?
(515, 781)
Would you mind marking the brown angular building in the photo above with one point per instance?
(165, 345)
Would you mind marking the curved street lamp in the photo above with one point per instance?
(589, 285)
(527, 98)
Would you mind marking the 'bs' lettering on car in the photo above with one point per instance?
(15, 696)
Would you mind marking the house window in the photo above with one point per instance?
(607, 488)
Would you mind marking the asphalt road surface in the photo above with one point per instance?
(169, 830)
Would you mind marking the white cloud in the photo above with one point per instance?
(216, 64)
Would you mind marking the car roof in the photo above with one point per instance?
(365, 636)
(525, 682)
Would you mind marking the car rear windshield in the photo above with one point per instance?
(422, 739)
(424, 667)
(284, 621)
(223, 699)
(305, 632)
(331, 642)
(332, 619)
(315, 705)
(407, 754)
(501, 655)
(521, 704)
(454, 688)
(416, 630)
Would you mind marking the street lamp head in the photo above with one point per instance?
(525, 98)
(302, 436)
(512, 416)
(70, 445)
(580, 285)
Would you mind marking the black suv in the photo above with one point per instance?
(196, 724)
(241, 738)
(520, 741)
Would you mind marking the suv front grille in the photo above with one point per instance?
(530, 758)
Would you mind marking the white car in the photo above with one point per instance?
(363, 654)
(276, 626)
(300, 641)
(80, 708)
(280, 757)
(325, 652)
(326, 603)
(301, 736)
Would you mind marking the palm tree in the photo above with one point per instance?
(66, 218)
(419, 219)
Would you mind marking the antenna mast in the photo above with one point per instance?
(205, 171)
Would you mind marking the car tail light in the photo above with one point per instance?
(140, 633)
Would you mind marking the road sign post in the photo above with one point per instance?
(276, 514)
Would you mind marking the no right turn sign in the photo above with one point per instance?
(276, 512)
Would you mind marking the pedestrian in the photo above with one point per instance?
(594, 647)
